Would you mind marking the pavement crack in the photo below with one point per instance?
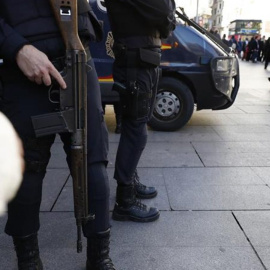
(59, 193)
(197, 154)
(255, 251)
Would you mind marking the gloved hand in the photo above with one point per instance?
(11, 162)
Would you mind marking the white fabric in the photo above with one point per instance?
(11, 162)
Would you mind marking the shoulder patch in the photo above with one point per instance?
(109, 44)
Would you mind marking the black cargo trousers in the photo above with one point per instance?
(22, 99)
(136, 83)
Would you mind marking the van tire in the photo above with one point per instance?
(174, 105)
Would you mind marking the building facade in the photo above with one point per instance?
(226, 11)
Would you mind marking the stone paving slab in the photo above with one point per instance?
(191, 133)
(229, 159)
(250, 119)
(263, 173)
(188, 258)
(164, 155)
(232, 109)
(205, 197)
(175, 234)
(235, 176)
(245, 136)
(256, 227)
(255, 108)
(245, 98)
(231, 147)
(199, 119)
(158, 148)
(263, 253)
(182, 229)
(242, 129)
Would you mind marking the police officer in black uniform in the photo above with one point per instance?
(137, 27)
(33, 52)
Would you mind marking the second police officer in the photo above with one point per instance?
(138, 27)
(30, 43)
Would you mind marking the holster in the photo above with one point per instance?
(135, 101)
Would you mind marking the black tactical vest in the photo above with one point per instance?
(34, 19)
(127, 22)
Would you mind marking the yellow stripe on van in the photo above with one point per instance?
(106, 79)
(166, 46)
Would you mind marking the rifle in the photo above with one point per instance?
(72, 114)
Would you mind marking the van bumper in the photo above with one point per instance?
(226, 79)
(215, 89)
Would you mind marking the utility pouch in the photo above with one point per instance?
(135, 102)
(141, 104)
(149, 57)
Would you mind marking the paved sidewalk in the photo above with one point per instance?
(213, 179)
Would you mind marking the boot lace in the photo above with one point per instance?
(137, 202)
(137, 182)
(105, 261)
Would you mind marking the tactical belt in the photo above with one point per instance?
(137, 57)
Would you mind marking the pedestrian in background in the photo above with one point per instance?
(267, 53)
(225, 41)
(261, 49)
(245, 49)
(239, 47)
(233, 43)
(254, 48)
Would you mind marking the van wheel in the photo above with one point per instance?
(173, 107)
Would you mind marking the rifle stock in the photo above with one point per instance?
(72, 114)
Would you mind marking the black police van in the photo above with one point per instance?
(197, 68)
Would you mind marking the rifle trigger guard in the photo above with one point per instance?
(53, 93)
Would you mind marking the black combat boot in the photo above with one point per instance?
(142, 191)
(128, 207)
(98, 252)
(28, 252)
